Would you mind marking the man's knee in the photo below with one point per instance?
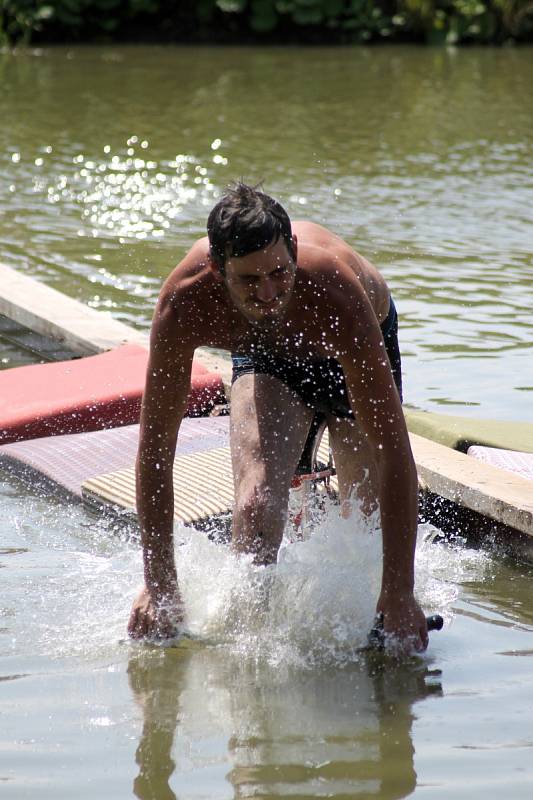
(257, 501)
(259, 521)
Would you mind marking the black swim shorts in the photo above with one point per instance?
(319, 383)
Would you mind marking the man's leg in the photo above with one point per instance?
(355, 464)
(269, 425)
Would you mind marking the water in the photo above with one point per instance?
(268, 698)
(110, 159)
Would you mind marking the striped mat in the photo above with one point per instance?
(62, 464)
(98, 467)
(514, 461)
(203, 486)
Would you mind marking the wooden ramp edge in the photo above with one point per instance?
(493, 492)
(51, 313)
(81, 329)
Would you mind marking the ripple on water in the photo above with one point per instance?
(124, 196)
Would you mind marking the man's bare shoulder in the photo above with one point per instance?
(322, 252)
(311, 234)
(192, 266)
(191, 298)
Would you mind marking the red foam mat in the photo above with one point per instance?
(87, 394)
(64, 463)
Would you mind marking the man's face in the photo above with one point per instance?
(260, 283)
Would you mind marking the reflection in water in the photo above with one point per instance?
(156, 690)
(499, 607)
(332, 733)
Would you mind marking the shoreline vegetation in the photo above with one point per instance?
(324, 22)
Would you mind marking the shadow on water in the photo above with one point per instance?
(351, 725)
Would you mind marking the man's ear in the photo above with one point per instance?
(215, 269)
(294, 247)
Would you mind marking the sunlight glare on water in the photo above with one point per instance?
(420, 159)
(127, 194)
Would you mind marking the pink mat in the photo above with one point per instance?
(64, 463)
(514, 461)
(87, 394)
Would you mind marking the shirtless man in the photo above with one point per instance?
(311, 326)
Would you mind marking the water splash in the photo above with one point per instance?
(317, 604)
(69, 593)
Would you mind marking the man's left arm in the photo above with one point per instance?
(376, 404)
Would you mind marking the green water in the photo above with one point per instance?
(420, 158)
(110, 159)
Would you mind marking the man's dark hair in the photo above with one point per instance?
(243, 221)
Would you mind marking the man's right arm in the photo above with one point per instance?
(157, 608)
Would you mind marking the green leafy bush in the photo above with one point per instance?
(233, 21)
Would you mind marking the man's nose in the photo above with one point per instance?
(266, 290)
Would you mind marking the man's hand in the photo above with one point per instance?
(404, 623)
(155, 616)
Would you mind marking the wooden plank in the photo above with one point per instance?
(203, 486)
(51, 313)
(490, 491)
(81, 329)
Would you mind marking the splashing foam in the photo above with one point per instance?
(314, 606)
(317, 604)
